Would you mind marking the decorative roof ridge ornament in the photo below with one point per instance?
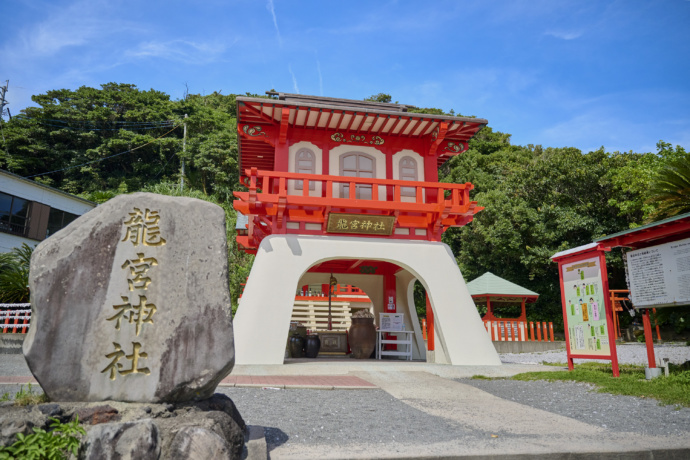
(253, 131)
(355, 138)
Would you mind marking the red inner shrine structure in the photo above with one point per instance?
(335, 171)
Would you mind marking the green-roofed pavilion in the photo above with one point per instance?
(490, 289)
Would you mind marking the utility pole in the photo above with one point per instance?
(3, 90)
(184, 149)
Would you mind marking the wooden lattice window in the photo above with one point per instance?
(358, 164)
(408, 172)
(305, 163)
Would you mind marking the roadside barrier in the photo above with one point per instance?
(15, 317)
(518, 331)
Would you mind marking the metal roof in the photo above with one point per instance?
(47, 187)
(643, 228)
(490, 284)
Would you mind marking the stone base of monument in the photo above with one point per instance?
(212, 428)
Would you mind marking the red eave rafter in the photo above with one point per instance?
(647, 237)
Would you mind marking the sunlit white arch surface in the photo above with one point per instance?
(262, 321)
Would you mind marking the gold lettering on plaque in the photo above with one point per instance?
(360, 223)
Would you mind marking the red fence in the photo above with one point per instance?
(519, 331)
(15, 317)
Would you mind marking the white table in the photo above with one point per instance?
(405, 340)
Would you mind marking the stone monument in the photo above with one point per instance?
(130, 303)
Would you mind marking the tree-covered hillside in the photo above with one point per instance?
(538, 200)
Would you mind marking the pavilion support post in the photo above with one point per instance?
(523, 315)
(489, 312)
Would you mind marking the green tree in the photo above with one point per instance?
(14, 274)
(669, 192)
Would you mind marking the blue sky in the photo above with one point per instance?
(579, 73)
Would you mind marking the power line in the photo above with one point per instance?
(92, 126)
(104, 158)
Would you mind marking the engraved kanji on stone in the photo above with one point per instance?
(142, 228)
(135, 314)
(115, 367)
(138, 269)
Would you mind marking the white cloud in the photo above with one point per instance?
(565, 34)
(185, 51)
(294, 79)
(272, 10)
(318, 69)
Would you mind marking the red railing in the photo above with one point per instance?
(270, 203)
(15, 317)
(518, 331)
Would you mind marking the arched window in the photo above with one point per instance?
(358, 164)
(408, 171)
(305, 164)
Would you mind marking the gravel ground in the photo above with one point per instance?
(628, 353)
(340, 418)
(581, 402)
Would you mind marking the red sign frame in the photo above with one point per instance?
(589, 253)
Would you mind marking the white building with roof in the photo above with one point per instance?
(30, 212)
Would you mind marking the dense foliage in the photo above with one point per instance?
(118, 139)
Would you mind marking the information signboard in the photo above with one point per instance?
(585, 308)
(659, 276)
(392, 322)
(587, 314)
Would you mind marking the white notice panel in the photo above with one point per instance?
(659, 276)
(392, 322)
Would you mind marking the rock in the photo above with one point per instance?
(51, 410)
(15, 420)
(195, 443)
(96, 415)
(220, 402)
(216, 415)
(220, 423)
(126, 441)
(130, 302)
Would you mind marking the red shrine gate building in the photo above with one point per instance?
(350, 188)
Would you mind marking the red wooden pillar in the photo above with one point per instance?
(430, 325)
(649, 339)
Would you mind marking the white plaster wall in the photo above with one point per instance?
(32, 192)
(262, 320)
(404, 292)
(9, 242)
(318, 166)
(380, 157)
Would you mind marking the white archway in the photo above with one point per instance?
(262, 320)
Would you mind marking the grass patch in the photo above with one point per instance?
(481, 377)
(674, 389)
(28, 397)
